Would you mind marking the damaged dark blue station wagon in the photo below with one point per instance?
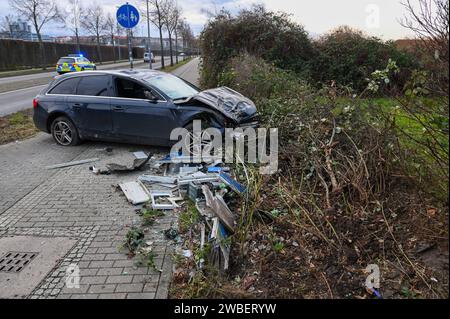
(141, 107)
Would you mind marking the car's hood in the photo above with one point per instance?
(230, 103)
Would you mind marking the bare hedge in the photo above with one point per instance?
(18, 54)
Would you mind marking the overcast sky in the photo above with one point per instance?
(376, 17)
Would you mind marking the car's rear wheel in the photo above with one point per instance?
(64, 132)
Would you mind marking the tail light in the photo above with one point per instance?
(35, 103)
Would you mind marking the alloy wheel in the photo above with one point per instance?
(62, 133)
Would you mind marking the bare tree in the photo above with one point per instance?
(176, 25)
(187, 35)
(111, 28)
(72, 20)
(157, 13)
(171, 19)
(428, 19)
(39, 12)
(94, 22)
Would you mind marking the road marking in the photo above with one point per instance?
(24, 89)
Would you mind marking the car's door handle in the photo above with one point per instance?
(76, 105)
(118, 108)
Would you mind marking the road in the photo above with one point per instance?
(21, 97)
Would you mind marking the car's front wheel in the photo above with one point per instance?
(64, 132)
(194, 147)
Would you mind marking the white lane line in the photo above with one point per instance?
(24, 89)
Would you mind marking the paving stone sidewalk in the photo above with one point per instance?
(75, 203)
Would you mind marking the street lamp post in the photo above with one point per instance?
(149, 40)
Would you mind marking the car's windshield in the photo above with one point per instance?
(172, 86)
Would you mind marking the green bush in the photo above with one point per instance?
(345, 57)
(348, 58)
(272, 36)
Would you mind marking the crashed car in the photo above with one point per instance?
(140, 106)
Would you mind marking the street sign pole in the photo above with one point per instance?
(128, 17)
(149, 38)
(130, 50)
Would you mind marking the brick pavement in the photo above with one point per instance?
(75, 203)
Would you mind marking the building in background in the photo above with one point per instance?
(21, 30)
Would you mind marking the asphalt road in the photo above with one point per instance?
(21, 98)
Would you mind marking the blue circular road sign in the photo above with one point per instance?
(127, 16)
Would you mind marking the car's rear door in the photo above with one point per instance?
(91, 105)
(137, 119)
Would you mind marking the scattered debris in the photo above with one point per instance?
(220, 208)
(164, 200)
(194, 191)
(138, 164)
(185, 170)
(135, 192)
(98, 171)
(205, 186)
(157, 179)
(236, 186)
(187, 253)
(140, 155)
(218, 170)
(199, 177)
(74, 163)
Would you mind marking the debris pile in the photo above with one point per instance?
(209, 186)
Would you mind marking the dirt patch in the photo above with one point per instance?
(17, 126)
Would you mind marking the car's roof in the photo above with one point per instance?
(138, 74)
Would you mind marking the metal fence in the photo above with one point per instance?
(19, 54)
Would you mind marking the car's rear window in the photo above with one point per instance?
(66, 87)
(66, 60)
(94, 86)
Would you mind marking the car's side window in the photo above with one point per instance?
(94, 86)
(131, 90)
(65, 87)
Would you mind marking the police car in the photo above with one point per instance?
(74, 63)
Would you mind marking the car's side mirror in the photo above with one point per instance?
(150, 96)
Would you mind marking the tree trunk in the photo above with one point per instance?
(163, 65)
(114, 47)
(176, 46)
(42, 49)
(170, 48)
(41, 44)
(77, 36)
